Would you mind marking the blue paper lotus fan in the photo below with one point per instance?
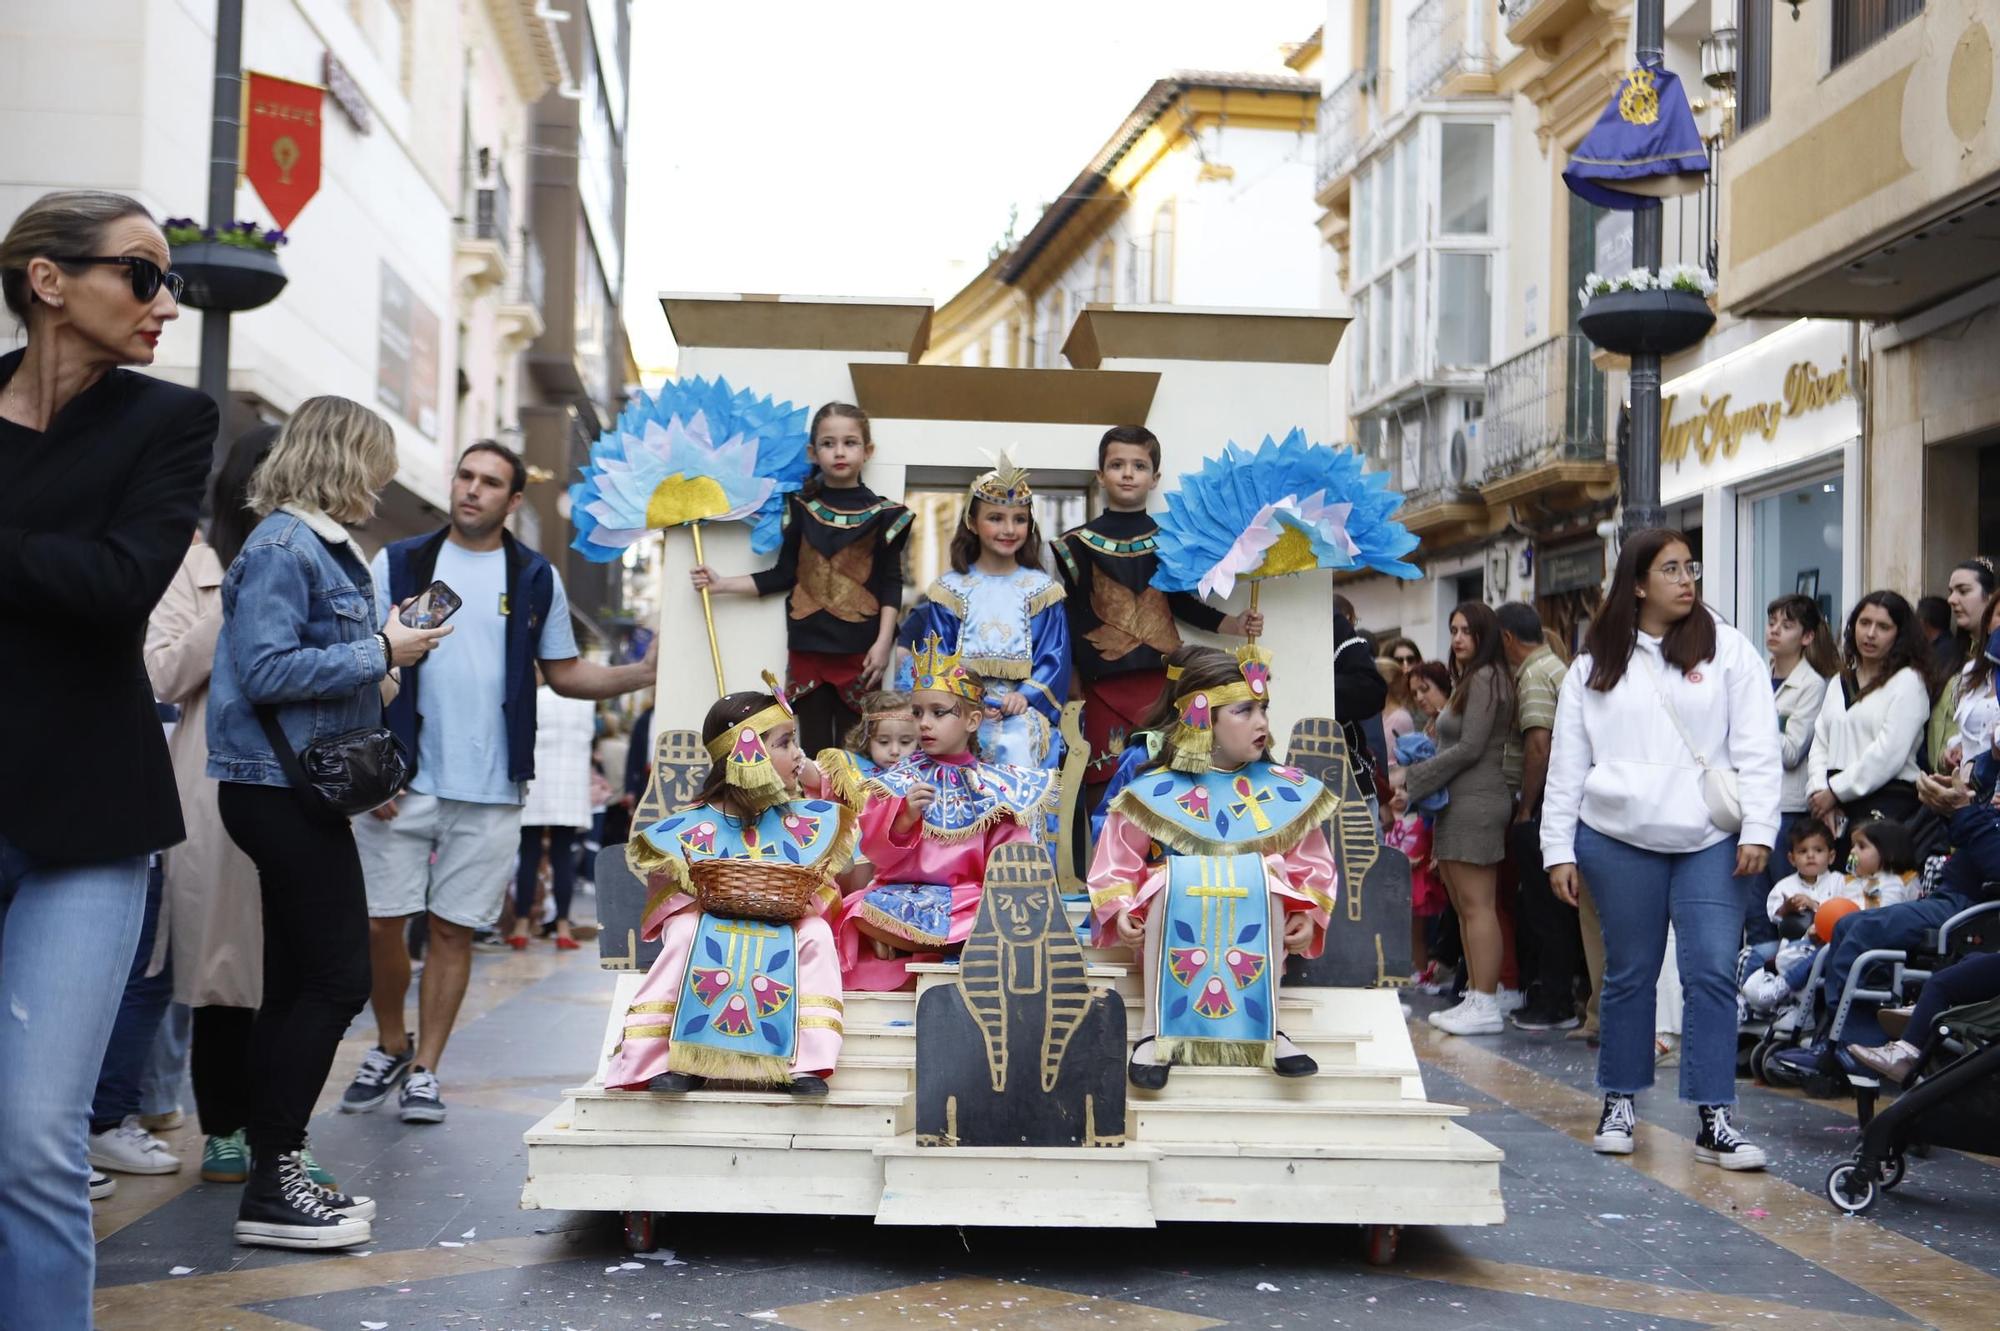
(694, 451)
(1283, 508)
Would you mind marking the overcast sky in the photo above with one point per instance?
(874, 147)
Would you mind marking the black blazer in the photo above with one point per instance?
(95, 516)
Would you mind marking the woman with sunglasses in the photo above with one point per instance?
(101, 476)
(1664, 698)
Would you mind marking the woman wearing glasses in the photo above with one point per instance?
(1865, 743)
(100, 481)
(1663, 704)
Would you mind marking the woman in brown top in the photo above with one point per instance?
(1470, 838)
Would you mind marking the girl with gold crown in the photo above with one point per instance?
(1213, 865)
(739, 999)
(1003, 617)
(929, 825)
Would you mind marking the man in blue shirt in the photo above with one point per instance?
(447, 845)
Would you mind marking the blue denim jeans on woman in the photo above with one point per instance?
(1638, 893)
(67, 935)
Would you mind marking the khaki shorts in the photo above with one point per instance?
(475, 848)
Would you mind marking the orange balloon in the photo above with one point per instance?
(1829, 914)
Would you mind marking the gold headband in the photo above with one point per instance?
(749, 769)
(1193, 737)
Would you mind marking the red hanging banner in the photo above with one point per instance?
(281, 143)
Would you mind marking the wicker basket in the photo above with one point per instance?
(750, 890)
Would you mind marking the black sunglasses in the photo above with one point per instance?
(146, 275)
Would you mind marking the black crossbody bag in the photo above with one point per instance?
(344, 775)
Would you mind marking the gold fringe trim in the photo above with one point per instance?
(998, 667)
(1047, 804)
(844, 782)
(888, 924)
(1046, 597)
(698, 1060)
(1195, 1053)
(1180, 841)
(1194, 749)
(946, 597)
(822, 1000)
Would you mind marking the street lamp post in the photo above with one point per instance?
(225, 133)
(1642, 469)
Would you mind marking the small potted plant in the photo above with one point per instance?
(1644, 312)
(231, 268)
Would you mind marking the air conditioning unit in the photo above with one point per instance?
(1460, 465)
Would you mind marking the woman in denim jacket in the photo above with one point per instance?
(299, 635)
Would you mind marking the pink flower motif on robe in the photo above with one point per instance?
(710, 983)
(1184, 963)
(771, 996)
(1246, 967)
(1214, 1000)
(735, 1017)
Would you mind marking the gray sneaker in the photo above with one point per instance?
(421, 1102)
(380, 1071)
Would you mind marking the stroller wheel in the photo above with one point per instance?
(1849, 1188)
(1760, 1056)
(1893, 1170)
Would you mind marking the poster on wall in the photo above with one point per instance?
(406, 373)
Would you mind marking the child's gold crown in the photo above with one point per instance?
(940, 670)
(1006, 485)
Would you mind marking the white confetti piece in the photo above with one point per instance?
(1266, 1287)
(180, 1271)
(1609, 1215)
(768, 1315)
(664, 1256)
(374, 1326)
(632, 1266)
(447, 1243)
(469, 1233)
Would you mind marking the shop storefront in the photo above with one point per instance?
(1767, 442)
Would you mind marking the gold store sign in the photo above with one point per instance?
(1720, 427)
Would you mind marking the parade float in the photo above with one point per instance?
(1020, 1045)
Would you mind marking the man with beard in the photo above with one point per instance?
(447, 845)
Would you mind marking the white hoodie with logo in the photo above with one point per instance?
(1618, 764)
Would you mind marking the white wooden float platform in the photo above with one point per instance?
(1359, 1143)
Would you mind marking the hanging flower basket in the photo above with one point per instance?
(1644, 312)
(228, 277)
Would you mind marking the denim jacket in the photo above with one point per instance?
(298, 631)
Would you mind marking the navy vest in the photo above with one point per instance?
(531, 587)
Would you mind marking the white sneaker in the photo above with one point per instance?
(130, 1149)
(1479, 1014)
(101, 1185)
(1765, 992)
(1510, 1000)
(1437, 1018)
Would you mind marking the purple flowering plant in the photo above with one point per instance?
(240, 235)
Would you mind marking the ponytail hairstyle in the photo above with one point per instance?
(1820, 653)
(846, 411)
(1201, 668)
(1615, 632)
(965, 542)
(729, 712)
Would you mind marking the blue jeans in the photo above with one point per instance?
(1899, 926)
(67, 934)
(139, 1011)
(164, 1087)
(1638, 893)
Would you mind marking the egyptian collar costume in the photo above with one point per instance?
(840, 560)
(813, 833)
(1119, 621)
(971, 795)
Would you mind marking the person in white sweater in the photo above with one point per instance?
(1865, 743)
(1662, 706)
(1803, 659)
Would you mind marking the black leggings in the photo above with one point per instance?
(316, 972)
(219, 1065)
(562, 869)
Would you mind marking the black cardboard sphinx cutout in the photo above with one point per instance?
(1368, 939)
(1019, 1051)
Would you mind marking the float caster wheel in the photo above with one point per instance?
(1849, 1188)
(1379, 1242)
(640, 1231)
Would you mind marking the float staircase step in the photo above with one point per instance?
(843, 1113)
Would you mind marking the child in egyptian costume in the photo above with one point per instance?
(744, 996)
(885, 735)
(1213, 865)
(928, 827)
(1003, 617)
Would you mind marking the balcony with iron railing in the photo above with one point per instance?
(1340, 130)
(1545, 428)
(1443, 43)
(1529, 22)
(521, 304)
(485, 236)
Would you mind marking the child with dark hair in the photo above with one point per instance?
(751, 1000)
(1883, 871)
(1213, 866)
(1121, 627)
(841, 565)
(929, 825)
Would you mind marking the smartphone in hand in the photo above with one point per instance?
(432, 608)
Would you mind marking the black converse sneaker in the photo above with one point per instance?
(1721, 1144)
(354, 1208)
(1615, 1127)
(380, 1071)
(283, 1208)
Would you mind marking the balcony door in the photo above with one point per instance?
(1584, 404)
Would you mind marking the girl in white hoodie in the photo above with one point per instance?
(1662, 703)
(1865, 743)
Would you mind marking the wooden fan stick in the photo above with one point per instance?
(708, 614)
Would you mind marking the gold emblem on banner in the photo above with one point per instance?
(1639, 102)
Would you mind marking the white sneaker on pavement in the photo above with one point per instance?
(130, 1149)
(1479, 1014)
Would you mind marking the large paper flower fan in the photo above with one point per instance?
(1284, 508)
(695, 451)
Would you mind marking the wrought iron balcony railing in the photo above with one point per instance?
(1545, 405)
(1339, 130)
(1440, 46)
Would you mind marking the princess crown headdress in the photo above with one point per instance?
(747, 762)
(940, 670)
(1193, 736)
(1006, 486)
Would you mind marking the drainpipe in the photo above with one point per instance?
(1642, 477)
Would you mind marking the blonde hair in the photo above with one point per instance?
(60, 222)
(333, 455)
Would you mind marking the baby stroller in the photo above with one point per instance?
(1790, 1025)
(1952, 1100)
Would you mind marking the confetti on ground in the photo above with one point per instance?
(1757, 1213)
(664, 1256)
(1266, 1287)
(448, 1243)
(181, 1271)
(468, 1233)
(374, 1326)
